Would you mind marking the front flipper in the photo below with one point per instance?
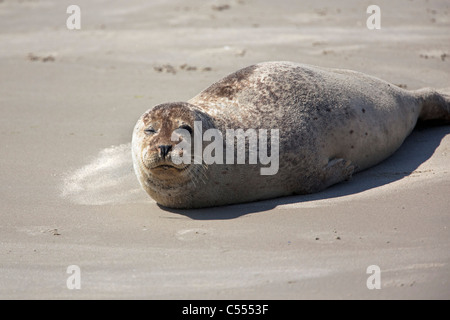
(337, 170)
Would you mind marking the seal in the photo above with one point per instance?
(332, 123)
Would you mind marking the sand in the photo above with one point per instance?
(68, 196)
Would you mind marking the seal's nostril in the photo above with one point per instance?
(164, 150)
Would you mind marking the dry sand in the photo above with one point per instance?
(68, 196)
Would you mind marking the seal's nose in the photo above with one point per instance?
(164, 150)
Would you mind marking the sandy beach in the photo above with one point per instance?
(69, 100)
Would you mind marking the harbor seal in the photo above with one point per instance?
(331, 123)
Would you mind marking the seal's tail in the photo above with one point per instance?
(435, 105)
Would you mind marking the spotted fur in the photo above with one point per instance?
(332, 124)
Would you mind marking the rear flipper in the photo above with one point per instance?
(435, 105)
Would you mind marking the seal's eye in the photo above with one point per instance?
(186, 127)
(150, 130)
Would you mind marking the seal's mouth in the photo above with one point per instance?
(165, 167)
(162, 166)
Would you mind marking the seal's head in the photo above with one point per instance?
(156, 159)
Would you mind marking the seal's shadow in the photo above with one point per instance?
(416, 149)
